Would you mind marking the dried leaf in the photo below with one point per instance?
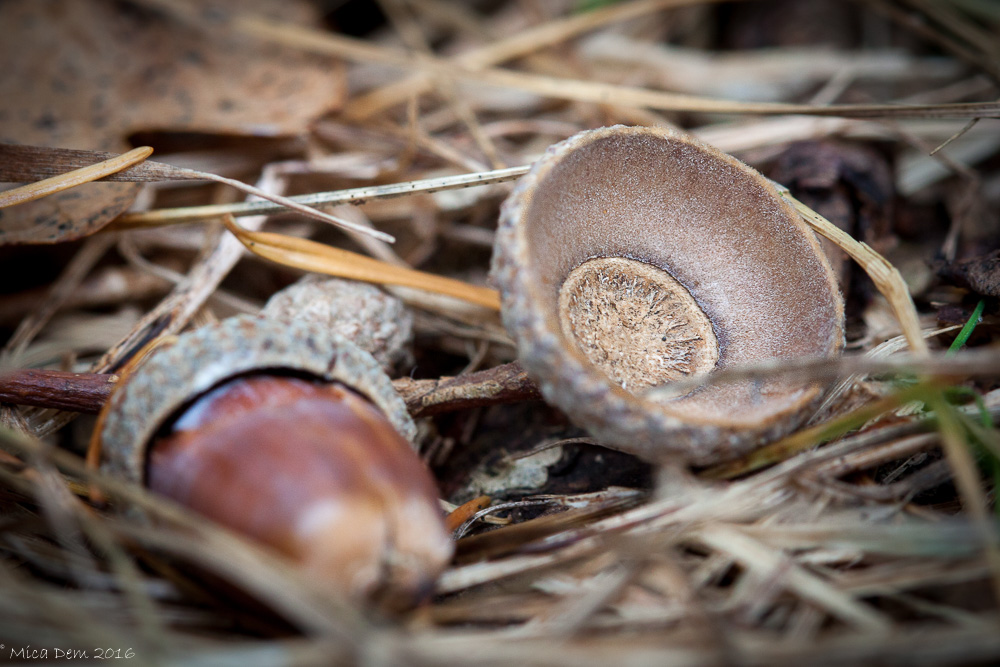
(88, 74)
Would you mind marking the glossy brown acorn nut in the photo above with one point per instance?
(631, 257)
(277, 446)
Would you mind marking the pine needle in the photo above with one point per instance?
(170, 216)
(72, 179)
(967, 481)
(808, 438)
(312, 256)
(886, 277)
(316, 41)
(20, 161)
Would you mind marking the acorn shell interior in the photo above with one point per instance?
(715, 225)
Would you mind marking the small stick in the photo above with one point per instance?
(507, 383)
(88, 392)
(74, 392)
(169, 216)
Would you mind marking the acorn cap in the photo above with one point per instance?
(374, 320)
(176, 374)
(631, 257)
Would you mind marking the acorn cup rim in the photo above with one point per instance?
(198, 361)
(616, 417)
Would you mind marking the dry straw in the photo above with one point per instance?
(855, 552)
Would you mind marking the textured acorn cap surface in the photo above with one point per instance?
(199, 360)
(723, 273)
(369, 317)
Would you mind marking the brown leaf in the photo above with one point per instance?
(848, 184)
(89, 73)
(980, 274)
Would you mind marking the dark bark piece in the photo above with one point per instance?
(74, 392)
(87, 392)
(980, 274)
(848, 184)
(502, 384)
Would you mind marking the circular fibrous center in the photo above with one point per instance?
(636, 323)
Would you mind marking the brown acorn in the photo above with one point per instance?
(630, 257)
(290, 435)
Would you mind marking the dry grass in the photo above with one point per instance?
(868, 536)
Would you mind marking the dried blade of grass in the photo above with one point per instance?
(959, 455)
(546, 549)
(515, 46)
(287, 202)
(886, 277)
(958, 135)
(901, 449)
(72, 179)
(881, 351)
(83, 261)
(312, 256)
(412, 35)
(356, 50)
(324, 43)
(475, 574)
(70, 521)
(24, 156)
(570, 616)
(212, 546)
(772, 563)
(20, 164)
(38, 607)
(918, 542)
(153, 627)
(969, 363)
(790, 471)
(310, 605)
(173, 313)
(808, 438)
(351, 196)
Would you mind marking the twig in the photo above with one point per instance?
(501, 384)
(88, 392)
(351, 196)
(508, 383)
(75, 392)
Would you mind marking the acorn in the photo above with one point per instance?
(631, 257)
(293, 436)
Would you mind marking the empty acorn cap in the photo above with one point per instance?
(631, 257)
(178, 373)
